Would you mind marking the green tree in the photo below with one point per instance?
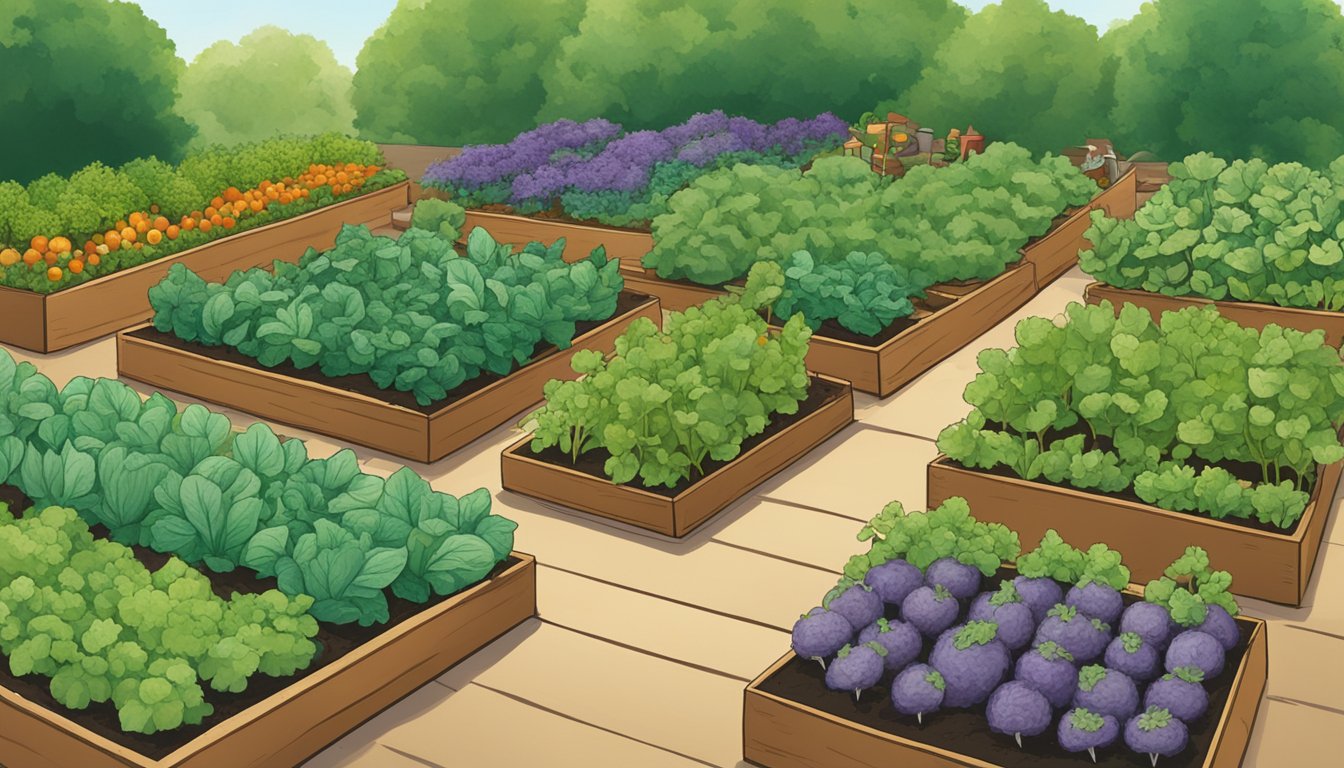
(84, 80)
(452, 72)
(1237, 78)
(1020, 72)
(270, 82)
(649, 64)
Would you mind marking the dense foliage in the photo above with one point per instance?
(596, 170)
(1197, 414)
(183, 482)
(455, 72)
(234, 92)
(1019, 72)
(1057, 653)
(670, 400)
(112, 106)
(1225, 76)
(967, 220)
(648, 65)
(85, 613)
(111, 212)
(1246, 231)
(409, 312)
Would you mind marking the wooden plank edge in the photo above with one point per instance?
(523, 572)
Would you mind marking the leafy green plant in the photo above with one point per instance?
(189, 485)
(409, 312)
(1189, 585)
(85, 613)
(1117, 403)
(669, 401)
(443, 217)
(1056, 559)
(920, 538)
(1245, 231)
(965, 221)
(864, 292)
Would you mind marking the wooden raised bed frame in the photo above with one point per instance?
(302, 719)
(1244, 313)
(355, 417)
(48, 322)
(580, 239)
(1269, 566)
(959, 319)
(779, 733)
(680, 514)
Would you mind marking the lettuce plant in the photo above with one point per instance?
(965, 221)
(1123, 403)
(85, 613)
(1244, 231)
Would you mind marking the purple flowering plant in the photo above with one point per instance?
(596, 170)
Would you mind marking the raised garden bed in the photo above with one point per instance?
(628, 245)
(55, 321)
(791, 720)
(280, 721)
(353, 408)
(1245, 313)
(550, 476)
(1269, 564)
(950, 318)
(1056, 252)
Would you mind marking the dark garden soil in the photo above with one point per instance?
(820, 393)
(1243, 470)
(333, 640)
(362, 383)
(966, 732)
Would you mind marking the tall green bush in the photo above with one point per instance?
(84, 80)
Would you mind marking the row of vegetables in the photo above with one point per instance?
(1051, 651)
(1193, 414)
(57, 232)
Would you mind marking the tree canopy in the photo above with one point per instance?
(84, 80)
(1020, 72)
(459, 71)
(648, 64)
(270, 82)
(1237, 78)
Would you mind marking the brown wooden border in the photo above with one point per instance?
(48, 322)
(580, 239)
(779, 733)
(1056, 252)
(676, 515)
(1270, 566)
(882, 370)
(1247, 314)
(358, 418)
(301, 719)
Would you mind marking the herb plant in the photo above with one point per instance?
(1176, 413)
(85, 613)
(409, 312)
(668, 401)
(1245, 231)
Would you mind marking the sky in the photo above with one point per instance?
(345, 24)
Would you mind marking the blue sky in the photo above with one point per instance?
(345, 24)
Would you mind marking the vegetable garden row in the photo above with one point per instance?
(693, 309)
